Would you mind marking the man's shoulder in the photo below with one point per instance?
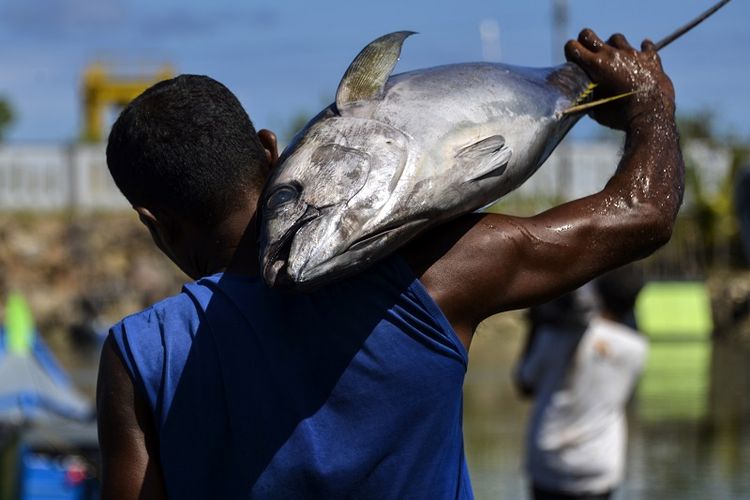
(171, 321)
(173, 306)
(617, 341)
(604, 327)
(161, 333)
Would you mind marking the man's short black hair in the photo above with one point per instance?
(188, 145)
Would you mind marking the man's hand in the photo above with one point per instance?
(618, 68)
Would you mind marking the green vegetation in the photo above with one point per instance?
(6, 117)
(710, 214)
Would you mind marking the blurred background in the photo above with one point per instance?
(74, 259)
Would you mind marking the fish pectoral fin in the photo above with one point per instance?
(487, 157)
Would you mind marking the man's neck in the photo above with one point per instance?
(244, 257)
(236, 249)
(230, 245)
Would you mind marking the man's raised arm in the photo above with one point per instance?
(484, 264)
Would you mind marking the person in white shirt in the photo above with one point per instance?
(581, 367)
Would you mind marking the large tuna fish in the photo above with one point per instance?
(395, 155)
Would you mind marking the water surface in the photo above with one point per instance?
(689, 424)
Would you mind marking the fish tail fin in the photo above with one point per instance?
(577, 108)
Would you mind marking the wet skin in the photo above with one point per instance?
(474, 267)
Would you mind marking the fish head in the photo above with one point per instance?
(330, 182)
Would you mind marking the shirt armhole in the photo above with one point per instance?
(431, 306)
(118, 334)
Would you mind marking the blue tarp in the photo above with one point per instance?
(34, 388)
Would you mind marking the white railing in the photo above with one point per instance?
(573, 170)
(54, 177)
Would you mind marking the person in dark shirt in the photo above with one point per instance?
(174, 381)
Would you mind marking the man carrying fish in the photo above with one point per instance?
(232, 389)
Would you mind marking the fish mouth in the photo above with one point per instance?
(276, 260)
(391, 231)
(357, 257)
(367, 241)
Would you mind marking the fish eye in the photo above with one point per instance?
(281, 196)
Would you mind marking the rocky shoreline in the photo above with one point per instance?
(75, 270)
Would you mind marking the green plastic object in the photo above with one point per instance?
(674, 310)
(19, 325)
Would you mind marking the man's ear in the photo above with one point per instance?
(155, 226)
(270, 144)
(161, 228)
(147, 218)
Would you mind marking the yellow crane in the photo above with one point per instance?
(101, 87)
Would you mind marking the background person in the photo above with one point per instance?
(581, 369)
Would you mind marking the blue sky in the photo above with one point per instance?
(284, 58)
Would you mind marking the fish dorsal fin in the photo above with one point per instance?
(486, 157)
(367, 74)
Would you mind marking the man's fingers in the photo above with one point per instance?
(572, 50)
(619, 41)
(648, 46)
(577, 53)
(590, 40)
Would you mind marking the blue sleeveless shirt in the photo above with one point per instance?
(353, 391)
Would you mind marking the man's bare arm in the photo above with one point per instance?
(130, 465)
(484, 264)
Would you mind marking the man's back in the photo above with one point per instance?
(353, 390)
